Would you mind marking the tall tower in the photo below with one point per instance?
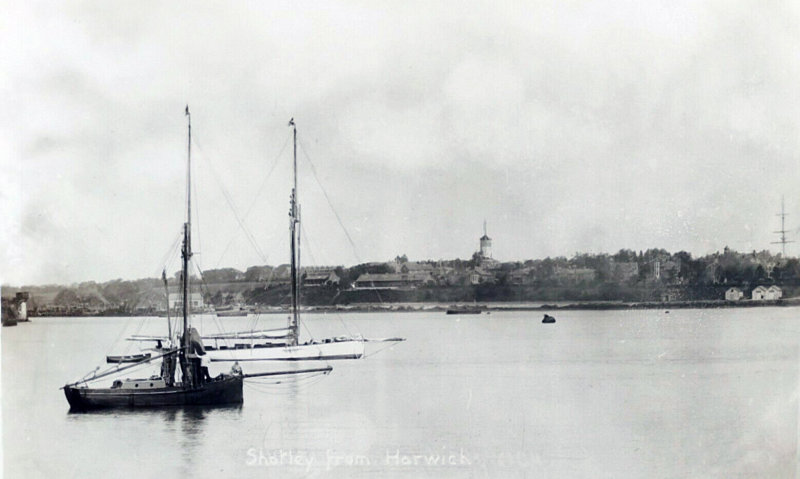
(486, 243)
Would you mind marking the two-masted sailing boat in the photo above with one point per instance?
(182, 354)
(284, 344)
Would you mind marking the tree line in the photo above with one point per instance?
(627, 275)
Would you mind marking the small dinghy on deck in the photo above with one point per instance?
(130, 358)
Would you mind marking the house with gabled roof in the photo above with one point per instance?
(774, 292)
(759, 293)
(320, 278)
(733, 294)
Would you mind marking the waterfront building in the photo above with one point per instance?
(733, 294)
(21, 300)
(414, 267)
(774, 292)
(759, 293)
(393, 280)
(314, 278)
(195, 301)
(481, 276)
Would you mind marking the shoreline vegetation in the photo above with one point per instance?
(651, 279)
(483, 307)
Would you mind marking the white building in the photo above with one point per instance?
(195, 301)
(762, 293)
(774, 292)
(733, 294)
(759, 293)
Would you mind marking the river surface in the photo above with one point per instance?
(689, 393)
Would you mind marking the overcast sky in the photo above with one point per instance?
(568, 126)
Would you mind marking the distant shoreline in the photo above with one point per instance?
(564, 306)
(488, 307)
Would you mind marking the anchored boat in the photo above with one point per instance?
(284, 344)
(180, 354)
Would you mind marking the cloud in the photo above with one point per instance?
(569, 126)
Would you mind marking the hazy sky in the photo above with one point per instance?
(569, 126)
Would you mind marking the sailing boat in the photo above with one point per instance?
(283, 344)
(196, 386)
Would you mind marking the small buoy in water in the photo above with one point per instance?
(666, 312)
(548, 319)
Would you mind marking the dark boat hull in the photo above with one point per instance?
(220, 392)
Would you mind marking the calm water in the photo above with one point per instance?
(599, 394)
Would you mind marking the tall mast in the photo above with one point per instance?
(294, 221)
(166, 291)
(187, 235)
(782, 231)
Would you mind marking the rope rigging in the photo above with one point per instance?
(330, 203)
(167, 258)
(264, 385)
(229, 201)
(261, 188)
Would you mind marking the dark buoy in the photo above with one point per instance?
(548, 319)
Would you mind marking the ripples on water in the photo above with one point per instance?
(696, 393)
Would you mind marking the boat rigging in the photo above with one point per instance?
(339, 347)
(195, 386)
